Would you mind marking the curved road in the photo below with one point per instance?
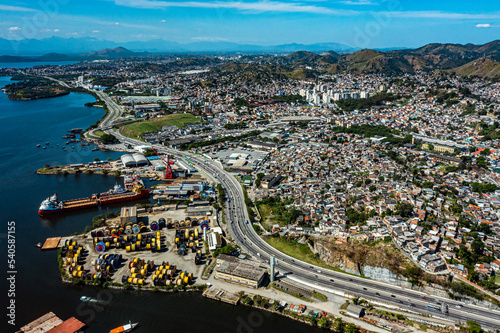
(301, 272)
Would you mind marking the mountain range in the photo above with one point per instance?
(466, 60)
(87, 44)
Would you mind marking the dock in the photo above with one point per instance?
(56, 242)
(50, 323)
(221, 295)
(51, 243)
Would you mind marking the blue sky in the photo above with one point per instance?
(358, 23)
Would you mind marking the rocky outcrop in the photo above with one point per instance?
(363, 260)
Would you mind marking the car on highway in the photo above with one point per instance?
(458, 306)
(393, 296)
(364, 288)
(315, 275)
(422, 297)
(399, 301)
(332, 280)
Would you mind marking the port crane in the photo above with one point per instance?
(168, 169)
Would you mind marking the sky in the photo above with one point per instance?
(357, 23)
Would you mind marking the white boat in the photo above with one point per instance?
(87, 299)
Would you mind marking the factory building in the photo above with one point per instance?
(140, 159)
(130, 161)
(243, 272)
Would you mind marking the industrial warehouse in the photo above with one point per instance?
(240, 271)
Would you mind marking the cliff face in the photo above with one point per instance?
(379, 263)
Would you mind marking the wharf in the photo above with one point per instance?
(221, 295)
(55, 242)
(51, 243)
(50, 323)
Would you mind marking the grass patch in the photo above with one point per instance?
(296, 250)
(98, 133)
(319, 296)
(155, 124)
(266, 216)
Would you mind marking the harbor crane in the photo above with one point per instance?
(168, 168)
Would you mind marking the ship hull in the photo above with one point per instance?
(102, 201)
(107, 201)
(42, 212)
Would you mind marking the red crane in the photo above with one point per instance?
(168, 170)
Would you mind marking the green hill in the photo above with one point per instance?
(155, 124)
(483, 67)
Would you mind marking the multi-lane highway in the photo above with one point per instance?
(241, 230)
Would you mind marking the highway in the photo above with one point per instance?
(241, 230)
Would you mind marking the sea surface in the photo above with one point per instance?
(38, 289)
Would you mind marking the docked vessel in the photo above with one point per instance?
(125, 328)
(134, 189)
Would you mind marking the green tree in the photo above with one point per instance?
(473, 327)
(351, 328)
(323, 322)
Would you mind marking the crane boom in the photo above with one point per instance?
(168, 169)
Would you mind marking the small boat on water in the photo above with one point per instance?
(87, 299)
(38, 145)
(125, 328)
(39, 245)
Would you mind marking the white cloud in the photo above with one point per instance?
(486, 25)
(95, 31)
(163, 21)
(443, 15)
(259, 6)
(117, 23)
(14, 29)
(16, 9)
(56, 30)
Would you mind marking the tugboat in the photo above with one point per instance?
(125, 328)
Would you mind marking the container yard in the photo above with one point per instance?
(158, 249)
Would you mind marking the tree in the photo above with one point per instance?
(477, 247)
(473, 327)
(351, 328)
(108, 139)
(372, 188)
(404, 209)
(338, 325)
(323, 322)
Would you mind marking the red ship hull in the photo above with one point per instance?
(103, 200)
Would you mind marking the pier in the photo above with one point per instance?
(221, 295)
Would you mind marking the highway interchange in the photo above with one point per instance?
(301, 272)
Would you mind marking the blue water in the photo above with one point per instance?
(36, 63)
(38, 287)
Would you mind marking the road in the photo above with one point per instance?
(301, 272)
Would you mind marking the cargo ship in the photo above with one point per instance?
(134, 189)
